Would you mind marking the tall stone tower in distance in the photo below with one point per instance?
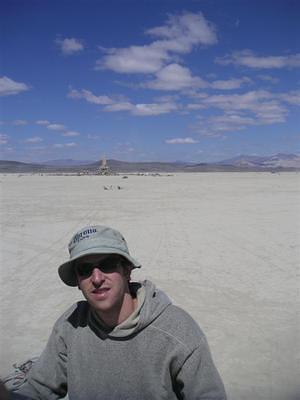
(104, 168)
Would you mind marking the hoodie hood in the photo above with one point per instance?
(151, 302)
(156, 301)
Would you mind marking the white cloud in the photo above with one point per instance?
(70, 46)
(142, 110)
(271, 112)
(241, 110)
(20, 122)
(175, 77)
(110, 105)
(166, 98)
(195, 94)
(247, 58)
(63, 145)
(182, 32)
(56, 127)
(229, 122)
(230, 84)
(153, 109)
(179, 35)
(134, 59)
(123, 148)
(268, 78)
(195, 106)
(262, 103)
(35, 139)
(42, 122)
(187, 140)
(37, 148)
(3, 138)
(71, 133)
(9, 87)
(89, 96)
(292, 97)
(122, 106)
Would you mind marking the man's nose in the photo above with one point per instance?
(97, 276)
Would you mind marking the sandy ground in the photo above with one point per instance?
(224, 246)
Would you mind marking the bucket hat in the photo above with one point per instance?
(96, 239)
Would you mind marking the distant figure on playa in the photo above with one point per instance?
(125, 341)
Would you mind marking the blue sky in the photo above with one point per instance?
(200, 80)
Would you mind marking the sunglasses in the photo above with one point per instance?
(106, 265)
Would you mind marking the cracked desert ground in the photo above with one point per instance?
(224, 246)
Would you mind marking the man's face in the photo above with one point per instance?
(104, 283)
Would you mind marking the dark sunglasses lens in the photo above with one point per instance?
(108, 264)
(85, 269)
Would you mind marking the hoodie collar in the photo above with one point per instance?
(151, 302)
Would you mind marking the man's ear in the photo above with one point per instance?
(127, 271)
(78, 284)
(76, 276)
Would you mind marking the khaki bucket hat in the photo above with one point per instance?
(96, 239)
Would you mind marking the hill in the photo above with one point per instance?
(278, 162)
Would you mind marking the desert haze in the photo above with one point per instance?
(224, 246)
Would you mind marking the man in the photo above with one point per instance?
(126, 341)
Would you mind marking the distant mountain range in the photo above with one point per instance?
(67, 163)
(277, 162)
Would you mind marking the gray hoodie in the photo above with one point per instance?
(158, 353)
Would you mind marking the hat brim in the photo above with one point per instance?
(66, 270)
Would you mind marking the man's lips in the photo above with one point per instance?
(100, 292)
